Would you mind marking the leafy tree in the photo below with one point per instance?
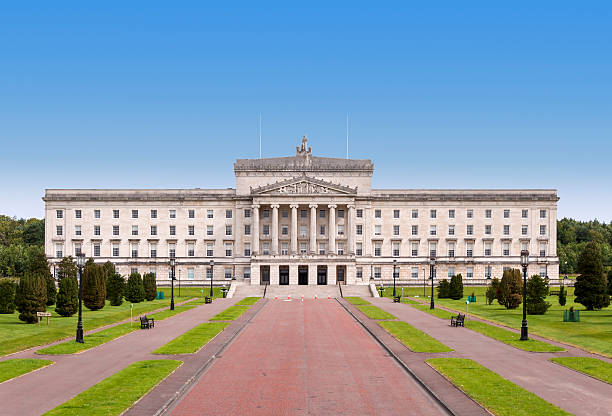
(7, 296)
(150, 286)
(443, 289)
(510, 288)
(94, 286)
(456, 287)
(68, 296)
(31, 297)
(610, 282)
(492, 290)
(134, 291)
(39, 265)
(537, 290)
(34, 232)
(562, 296)
(590, 288)
(115, 287)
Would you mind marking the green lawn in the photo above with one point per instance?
(91, 340)
(230, 313)
(495, 393)
(193, 340)
(160, 316)
(190, 292)
(416, 340)
(374, 312)
(440, 313)
(17, 336)
(251, 300)
(17, 366)
(117, 393)
(599, 369)
(356, 300)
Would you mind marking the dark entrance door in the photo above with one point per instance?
(340, 275)
(265, 275)
(302, 275)
(283, 275)
(322, 275)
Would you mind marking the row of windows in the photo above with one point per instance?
(191, 272)
(433, 213)
(451, 271)
(153, 213)
(451, 249)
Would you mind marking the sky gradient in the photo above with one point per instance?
(147, 95)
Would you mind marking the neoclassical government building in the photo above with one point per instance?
(305, 220)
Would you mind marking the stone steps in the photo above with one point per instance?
(297, 291)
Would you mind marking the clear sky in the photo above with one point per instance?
(167, 94)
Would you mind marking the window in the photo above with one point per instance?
(542, 213)
(377, 273)
(377, 249)
(415, 213)
(266, 248)
(543, 271)
(209, 213)
(432, 230)
(322, 230)
(470, 272)
(433, 249)
(303, 248)
(487, 248)
(228, 213)
(451, 213)
(115, 213)
(340, 213)
(172, 213)
(524, 229)
(377, 213)
(487, 272)
(340, 229)
(506, 229)
(303, 230)
(78, 213)
(321, 213)
(451, 271)
(209, 249)
(414, 272)
(77, 230)
(172, 250)
(506, 249)
(359, 213)
(190, 249)
(469, 230)
(59, 214)
(285, 213)
(396, 249)
(154, 230)
(303, 213)
(506, 213)
(396, 230)
(246, 272)
(209, 273)
(247, 213)
(96, 230)
(115, 230)
(266, 229)
(340, 249)
(414, 249)
(451, 230)
(115, 250)
(247, 249)
(396, 213)
(284, 249)
(227, 273)
(432, 213)
(524, 245)
(59, 251)
(191, 213)
(247, 229)
(487, 213)
(266, 213)
(359, 229)
(451, 249)
(190, 273)
(228, 249)
(134, 230)
(133, 270)
(470, 213)
(359, 272)
(154, 213)
(96, 213)
(469, 249)
(542, 249)
(524, 213)
(488, 229)
(321, 248)
(415, 230)
(96, 249)
(134, 213)
(173, 230)
(542, 230)
(359, 249)
(377, 229)
(209, 230)
(153, 250)
(134, 250)
(228, 230)
(191, 230)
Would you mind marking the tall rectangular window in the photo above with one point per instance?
(96, 249)
(247, 229)
(469, 229)
(377, 229)
(415, 213)
(506, 249)
(190, 249)
(134, 250)
(359, 229)
(524, 213)
(303, 230)
(377, 249)
(359, 272)
(115, 230)
(322, 230)
(377, 273)
(153, 250)
(451, 213)
(247, 249)
(340, 249)
(228, 213)
(451, 230)
(172, 213)
(115, 213)
(542, 213)
(59, 251)
(470, 213)
(359, 213)
(153, 213)
(77, 230)
(209, 230)
(96, 213)
(359, 249)
(321, 213)
(190, 273)
(172, 250)
(432, 230)
(524, 229)
(191, 229)
(469, 249)
(246, 272)
(340, 229)
(487, 213)
(377, 213)
(488, 229)
(154, 230)
(209, 213)
(470, 272)
(451, 249)
(266, 229)
(433, 249)
(321, 248)
(396, 249)
(542, 249)
(303, 248)
(134, 230)
(228, 249)
(303, 213)
(414, 272)
(96, 230)
(247, 213)
(506, 213)
(506, 229)
(396, 230)
(487, 248)
(415, 249)
(115, 250)
(432, 213)
(173, 230)
(209, 249)
(59, 214)
(78, 213)
(396, 213)
(284, 248)
(228, 230)
(134, 213)
(451, 271)
(340, 213)
(415, 230)
(542, 230)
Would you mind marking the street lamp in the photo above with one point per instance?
(524, 264)
(212, 274)
(394, 266)
(432, 263)
(172, 265)
(424, 282)
(80, 260)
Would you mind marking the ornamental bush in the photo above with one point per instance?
(537, 290)
(94, 286)
(68, 295)
(510, 288)
(150, 286)
(562, 296)
(456, 287)
(31, 297)
(443, 289)
(7, 295)
(109, 270)
(40, 266)
(591, 288)
(492, 290)
(115, 288)
(134, 290)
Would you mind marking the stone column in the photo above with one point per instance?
(313, 229)
(350, 229)
(274, 229)
(332, 228)
(294, 230)
(255, 230)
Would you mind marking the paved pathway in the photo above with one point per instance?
(571, 391)
(301, 358)
(40, 391)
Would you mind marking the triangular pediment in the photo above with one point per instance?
(303, 185)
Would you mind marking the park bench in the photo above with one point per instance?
(207, 299)
(458, 320)
(147, 323)
(397, 299)
(43, 314)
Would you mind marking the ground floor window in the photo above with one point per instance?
(359, 273)
(377, 273)
(246, 273)
(190, 273)
(228, 273)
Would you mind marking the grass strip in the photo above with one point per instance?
(18, 366)
(416, 340)
(440, 313)
(117, 393)
(601, 370)
(251, 300)
(160, 316)
(498, 395)
(230, 313)
(192, 340)
(356, 300)
(91, 340)
(374, 312)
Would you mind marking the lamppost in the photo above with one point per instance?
(424, 282)
(80, 260)
(172, 265)
(212, 274)
(524, 264)
(179, 283)
(432, 263)
(394, 266)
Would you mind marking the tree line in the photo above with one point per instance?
(573, 237)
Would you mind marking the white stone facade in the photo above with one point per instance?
(305, 220)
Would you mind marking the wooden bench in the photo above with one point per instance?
(43, 314)
(207, 299)
(146, 323)
(397, 299)
(458, 320)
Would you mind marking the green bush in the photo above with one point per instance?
(134, 290)
(51, 290)
(610, 282)
(150, 286)
(115, 287)
(456, 287)
(109, 270)
(39, 265)
(94, 286)
(68, 296)
(562, 296)
(492, 290)
(590, 288)
(7, 296)
(31, 297)
(510, 288)
(443, 289)
(537, 290)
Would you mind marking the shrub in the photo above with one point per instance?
(610, 282)
(94, 286)
(150, 286)
(68, 296)
(115, 287)
(510, 287)
(7, 296)
(590, 288)
(562, 296)
(66, 267)
(40, 266)
(51, 290)
(109, 270)
(492, 290)
(31, 297)
(134, 290)
(537, 290)
(456, 287)
(443, 289)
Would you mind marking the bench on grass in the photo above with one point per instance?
(43, 314)
(146, 323)
(397, 299)
(458, 320)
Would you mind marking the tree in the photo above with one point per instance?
(537, 290)
(492, 290)
(31, 297)
(68, 296)
(456, 287)
(115, 287)
(39, 265)
(109, 270)
(443, 289)
(610, 282)
(590, 288)
(510, 288)
(7, 296)
(134, 290)
(150, 286)
(34, 232)
(562, 296)
(94, 286)
(67, 268)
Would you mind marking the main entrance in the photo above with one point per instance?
(321, 275)
(265, 275)
(341, 275)
(302, 275)
(283, 275)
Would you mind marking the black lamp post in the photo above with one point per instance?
(394, 267)
(80, 260)
(524, 264)
(212, 274)
(179, 283)
(424, 280)
(172, 266)
(432, 263)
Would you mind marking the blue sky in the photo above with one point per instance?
(167, 94)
